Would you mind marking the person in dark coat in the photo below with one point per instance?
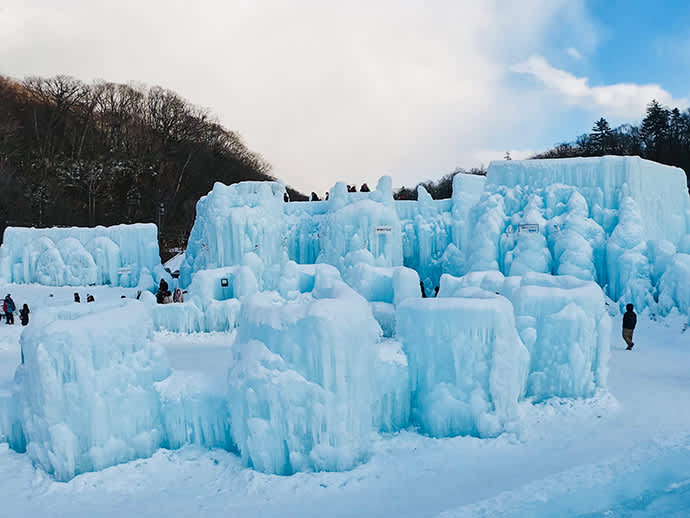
(9, 308)
(24, 315)
(629, 323)
(90, 298)
(364, 188)
(421, 287)
(163, 292)
(314, 196)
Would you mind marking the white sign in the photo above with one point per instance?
(531, 228)
(384, 229)
(124, 271)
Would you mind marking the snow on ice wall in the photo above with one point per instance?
(120, 255)
(301, 385)
(86, 393)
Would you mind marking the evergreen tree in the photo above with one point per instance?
(655, 131)
(601, 138)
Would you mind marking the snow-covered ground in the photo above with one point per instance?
(622, 453)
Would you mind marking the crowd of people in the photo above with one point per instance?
(165, 296)
(315, 197)
(9, 308)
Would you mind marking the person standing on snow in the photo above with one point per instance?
(9, 307)
(24, 315)
(629, 323)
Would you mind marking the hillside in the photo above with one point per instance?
(73, 153)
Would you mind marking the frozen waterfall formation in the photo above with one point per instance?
(122, 255)
(621, 222)
(334, 341)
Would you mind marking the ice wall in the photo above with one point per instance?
(239, 224)
(249, 224)
(467, 364)
(564, 324)
(659, 191)
(119, 256)
(86, 395)
(301, 383)
(561, 320)
(610, 220)
(613, 220)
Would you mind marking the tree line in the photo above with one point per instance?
(104, 153)
(662, 136)
(438, 189)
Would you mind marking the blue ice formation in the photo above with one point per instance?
(335, 342)
(95, 391)
(121, 255)
(618, 221)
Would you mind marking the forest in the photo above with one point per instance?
(77, 154)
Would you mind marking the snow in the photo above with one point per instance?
(118, 255)
(174, 263)
(624, 454)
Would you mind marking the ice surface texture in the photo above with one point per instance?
(119, 256)
(301, 384)
(613, 220)
(86, 389)
(467, 363)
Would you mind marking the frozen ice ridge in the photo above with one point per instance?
(122, 255)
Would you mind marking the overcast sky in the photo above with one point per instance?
(350, 90)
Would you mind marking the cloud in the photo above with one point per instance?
(574, 53)
(324, 90)
(621, 99)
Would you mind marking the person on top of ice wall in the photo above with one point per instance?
(178, 296)
(77, 299)
(9, 307)
(364, 188)
(90, 298)
(24, 315)
(421, 286)
(629, 322)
